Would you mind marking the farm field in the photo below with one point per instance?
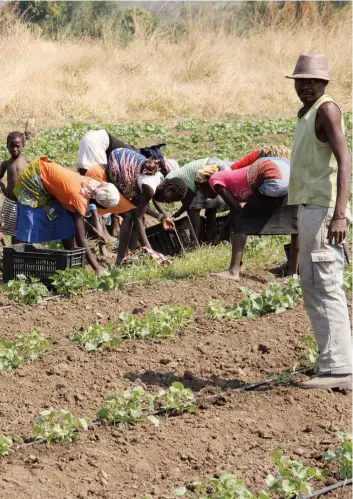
(233, 430)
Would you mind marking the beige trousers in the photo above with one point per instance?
(321, 274)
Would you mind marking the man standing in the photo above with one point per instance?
(319, 184)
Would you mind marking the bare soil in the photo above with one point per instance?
(233, 433)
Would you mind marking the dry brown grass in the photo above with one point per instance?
(211, 74)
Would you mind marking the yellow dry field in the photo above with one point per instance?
(210, 74)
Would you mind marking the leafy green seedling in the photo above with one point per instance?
(111, 279)
(135, 405)
(26, 290)
(74, 281)
(158, 323)
(273, 299)
(176, 399)
(293, 478)
(96, 337)
(342, 455)
(224, 487)
(128, 408)
(310, 355)
(58, 427)
(10, 356)
(217, 311)
(78, 281)
(30, 346)
(5, 444)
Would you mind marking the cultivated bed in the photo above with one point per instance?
(233, 433)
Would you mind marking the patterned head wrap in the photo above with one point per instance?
(104, 193)
(272, 151)
(204, 173)
(153, 152)
(150, 166)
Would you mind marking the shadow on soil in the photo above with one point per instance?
(255, 278)
(165, 379)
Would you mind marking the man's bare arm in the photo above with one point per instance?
(330, 120)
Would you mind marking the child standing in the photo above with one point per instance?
(12, 167)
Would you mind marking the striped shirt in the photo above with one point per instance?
(188, 172)
(9, 214)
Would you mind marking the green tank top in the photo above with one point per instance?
(313, 178)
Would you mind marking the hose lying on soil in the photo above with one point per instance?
(326, 490)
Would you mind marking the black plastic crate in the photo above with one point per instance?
(220, 223)
(173, 242)
(41, 263)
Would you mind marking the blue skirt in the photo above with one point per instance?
(34, 226)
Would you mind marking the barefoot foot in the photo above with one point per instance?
(228, 274)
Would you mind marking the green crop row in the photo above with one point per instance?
(30, 346)
(189, 139)
(272, 299)
(158, 323)
(128, 408)
(292, 478)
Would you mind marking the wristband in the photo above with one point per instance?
(161, 217)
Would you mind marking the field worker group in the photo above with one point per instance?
(273, 190)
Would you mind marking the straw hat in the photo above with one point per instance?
(312, 66)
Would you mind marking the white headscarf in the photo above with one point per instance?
(107, 195)
(104, 193)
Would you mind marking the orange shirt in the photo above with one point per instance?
(64, 185)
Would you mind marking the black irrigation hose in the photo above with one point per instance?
(266, 382)
(326, 490)
(249, 387)
(253, 386)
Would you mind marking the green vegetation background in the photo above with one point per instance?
(187, 140)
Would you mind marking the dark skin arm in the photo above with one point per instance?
(328, 129)
(152, 213)
(147, 194)
(228, 197)
(230, 200)
(125, 234)
(167, 222)
(186, 203)
(81, 241)
(96, 222)
(89, 226)
(135, 216)
(2, 173)
(160, 207)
